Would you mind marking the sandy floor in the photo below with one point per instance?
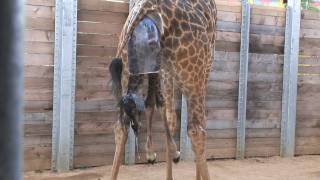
(275, 168)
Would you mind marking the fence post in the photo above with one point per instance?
(290, 75)
(185, 142)
(130, 153)
(64, 84)
(243, 79)
(11, 89)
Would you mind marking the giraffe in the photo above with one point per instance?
(187, 43)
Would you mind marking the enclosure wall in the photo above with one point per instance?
(264, 82)
(38, 77)
(99, 25)
(308, 100)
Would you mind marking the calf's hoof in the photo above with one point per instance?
(176, 157)
(151, 158)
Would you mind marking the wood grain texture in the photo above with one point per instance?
(99, 25)
(38, 83)
(307, 132)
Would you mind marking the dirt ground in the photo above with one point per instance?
(275, 168)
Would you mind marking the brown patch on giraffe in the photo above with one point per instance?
(201, 54)
(192, 50)
(184, 75)
(178, 13)
(193, 59)
(204, 38)
(182, 53)
(200, 63)
(185, 17)
(175, 43)
(190, 67)
(165, 34)
(184, 64)
(196, 69)
(174, 24)
(178, 32)
(168, 42)
(185, 26)
(186, 39)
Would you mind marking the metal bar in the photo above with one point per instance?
(185, 142)
(290, 75)
(130, 148)
(243, 78)
(64, 85)
(11, 88)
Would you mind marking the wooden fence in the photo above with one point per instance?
(99, 25)
(38, 63)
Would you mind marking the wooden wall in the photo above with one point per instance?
(308, 103)
(264, 82)
(99, 25)
(38, 77)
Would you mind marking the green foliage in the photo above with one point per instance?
(311, 4)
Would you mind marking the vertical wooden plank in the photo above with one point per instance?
(290, 75)
(64, 85)
(185, 142)
(243, 77)
(130, 153)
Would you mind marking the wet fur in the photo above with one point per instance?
(115, 70)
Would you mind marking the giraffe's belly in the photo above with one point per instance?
(144, 48)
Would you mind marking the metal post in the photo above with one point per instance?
(11, 88)
(243, 78)
(130, 153)
(185, 142)
(64, 85)
(290, 75)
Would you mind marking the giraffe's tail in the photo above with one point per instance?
(115, 70)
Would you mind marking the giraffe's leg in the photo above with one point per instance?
(150, 154)
(150, 107)
(121, 134)
(198, 135)
(171, 148)
(198, 176)
(168, 115)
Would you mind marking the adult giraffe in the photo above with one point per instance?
(187, 43)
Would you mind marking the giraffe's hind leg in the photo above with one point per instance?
(167, 110)
(197, 133)
(121, 134)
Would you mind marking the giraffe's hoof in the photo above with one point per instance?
(176, 157)
(151, 158)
